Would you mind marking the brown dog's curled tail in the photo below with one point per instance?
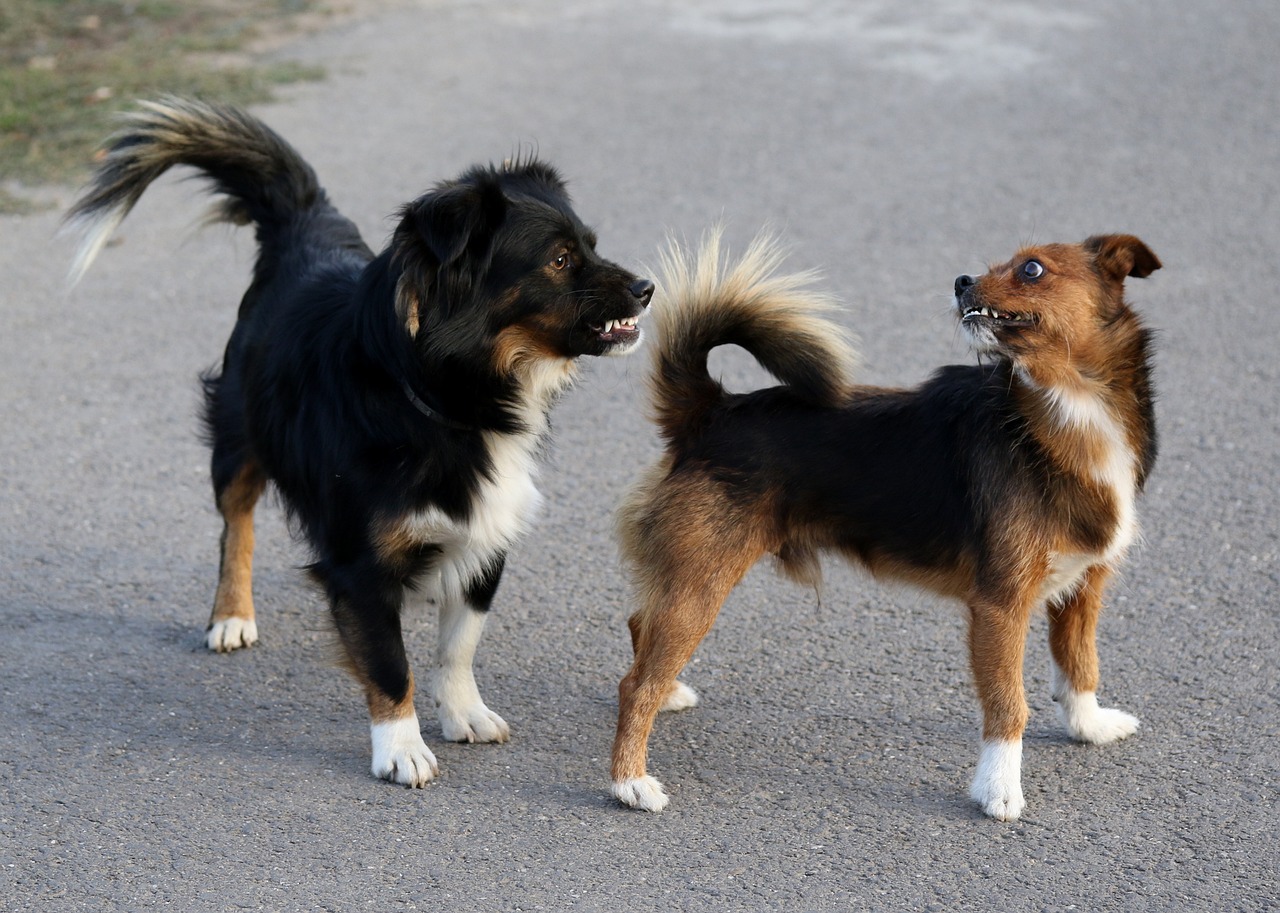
(706, 301)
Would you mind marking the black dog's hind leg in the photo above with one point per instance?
(365, 600)
(464, 608)
(238, 482)
(237, 486)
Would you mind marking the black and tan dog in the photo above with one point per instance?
(398, 401)
(1009, 485)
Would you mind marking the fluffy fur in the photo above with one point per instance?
(398, 401)
(1009, 485)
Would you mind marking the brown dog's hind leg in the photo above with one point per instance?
(680, 696)
(689, 567)
(1073, 623)
(232, 624)
(670, 633)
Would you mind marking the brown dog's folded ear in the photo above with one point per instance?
(1122, 255)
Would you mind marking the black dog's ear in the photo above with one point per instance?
(1119, 256)
(458, 219)
(450, 228)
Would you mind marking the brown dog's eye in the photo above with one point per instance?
(1032, 270)
(562, 261)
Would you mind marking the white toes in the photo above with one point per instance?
(1087, 722)
(232, 634)
(644, 793)
(476, 723)
(997, 786)
(400, 755)
(682, 697)
(463, 714)
(999, 802)
(1082, 717)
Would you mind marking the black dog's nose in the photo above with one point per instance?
(963, 283)
(642, 291)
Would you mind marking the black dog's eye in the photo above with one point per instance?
(1032, 270)
(562, 260)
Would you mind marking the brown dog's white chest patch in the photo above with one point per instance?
(1109, 462)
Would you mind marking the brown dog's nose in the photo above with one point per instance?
(963, 283)
(642, 291)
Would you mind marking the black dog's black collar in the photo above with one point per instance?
(432, 413)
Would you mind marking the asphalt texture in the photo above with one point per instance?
(893, 146)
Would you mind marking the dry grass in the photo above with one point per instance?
(66, 66)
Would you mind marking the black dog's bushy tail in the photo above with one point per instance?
(706, 302)
(265, 181)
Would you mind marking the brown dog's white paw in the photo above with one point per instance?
(400, 755)
(1087, 722)
(231, 634)
(644, 793)
(682, 697)
(997, 786)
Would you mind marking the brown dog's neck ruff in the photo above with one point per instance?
(435, 416)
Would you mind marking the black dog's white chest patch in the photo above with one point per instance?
(503, 506)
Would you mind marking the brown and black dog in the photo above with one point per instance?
(1009, 485)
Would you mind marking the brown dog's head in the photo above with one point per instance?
(1052, 305)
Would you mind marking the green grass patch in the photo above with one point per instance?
(67, 66)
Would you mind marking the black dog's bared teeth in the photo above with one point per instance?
(622, 324)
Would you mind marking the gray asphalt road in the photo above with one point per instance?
(894, 145)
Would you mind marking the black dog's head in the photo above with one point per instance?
(496, 266)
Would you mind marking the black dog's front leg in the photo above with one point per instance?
(365, 601)
(464, 608)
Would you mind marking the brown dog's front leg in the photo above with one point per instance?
(1073, 624)
(997, 641)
